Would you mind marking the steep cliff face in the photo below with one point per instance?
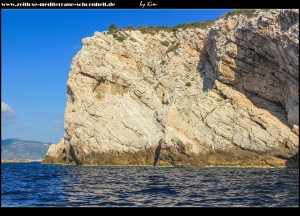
(222, 95)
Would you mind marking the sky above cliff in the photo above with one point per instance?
(37, 50)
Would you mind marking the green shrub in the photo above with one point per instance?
(194, 25)
(249, 13)
(143, 30)
(162, 62)
(188, 84)
(151, 29)
(165, 43)
(173, 48)
(112, 29)
(219, 100)
(119, 37)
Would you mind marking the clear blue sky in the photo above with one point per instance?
(37, 49)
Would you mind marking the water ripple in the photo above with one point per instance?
(34, 184)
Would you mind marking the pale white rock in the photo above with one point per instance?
(196, 97)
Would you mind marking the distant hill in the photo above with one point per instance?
(16, 149)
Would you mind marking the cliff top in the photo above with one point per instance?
(249, 13)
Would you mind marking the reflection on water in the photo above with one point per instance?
(34, 184)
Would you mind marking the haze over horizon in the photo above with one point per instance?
(37, 50)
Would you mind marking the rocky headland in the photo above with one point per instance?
(219, 93)
(17, 150)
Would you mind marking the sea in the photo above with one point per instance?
(40, 185)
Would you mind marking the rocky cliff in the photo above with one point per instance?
(219, 93)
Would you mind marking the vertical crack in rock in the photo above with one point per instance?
(157, 151)
(70, 94)
(73, 155)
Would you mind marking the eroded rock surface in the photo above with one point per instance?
(225, 95)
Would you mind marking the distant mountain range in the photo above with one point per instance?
(16, 149)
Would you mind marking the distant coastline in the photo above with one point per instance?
(19, 161)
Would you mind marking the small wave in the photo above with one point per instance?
(158, 190)
(116, 204)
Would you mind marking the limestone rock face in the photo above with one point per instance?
(224, 95)
(55, 153)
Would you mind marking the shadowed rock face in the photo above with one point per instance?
(226, 95)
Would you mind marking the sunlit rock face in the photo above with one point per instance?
(224, 95)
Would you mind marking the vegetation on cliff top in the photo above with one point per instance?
(249, 13)
(155, 29)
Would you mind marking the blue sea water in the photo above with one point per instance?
(35, 184)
